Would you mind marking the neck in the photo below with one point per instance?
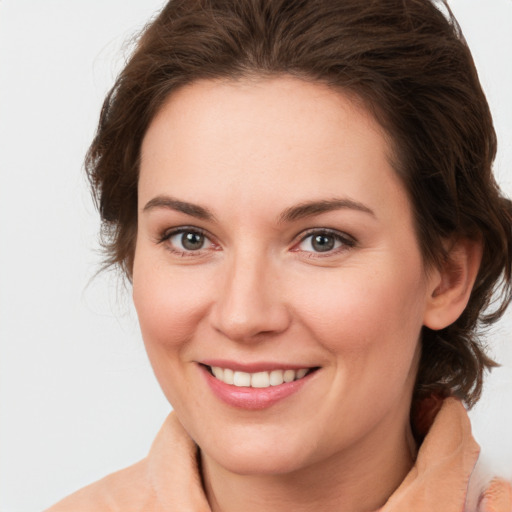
(360, 479)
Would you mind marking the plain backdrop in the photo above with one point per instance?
(77, 396)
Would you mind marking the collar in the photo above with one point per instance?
(440, 476)
(438, 480)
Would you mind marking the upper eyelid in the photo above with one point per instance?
(347, 242)
(167, 233)
(328, 231)
(303, 235)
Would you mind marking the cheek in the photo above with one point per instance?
(370, 324)
(363, 313)
(169, 304)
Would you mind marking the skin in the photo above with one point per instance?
(258, 291)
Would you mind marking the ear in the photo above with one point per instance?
(450, 285)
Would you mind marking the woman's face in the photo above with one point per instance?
(274, 236)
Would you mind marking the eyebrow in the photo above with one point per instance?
(311, 208)
(300, 211)
(171, 203)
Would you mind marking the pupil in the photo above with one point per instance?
(322, 243)
(192, 241)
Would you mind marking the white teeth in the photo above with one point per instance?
(229, 376)
(242, 379)
(301, 373)
(289, 375)
(258, 379)
(276, 377)
(218, 372)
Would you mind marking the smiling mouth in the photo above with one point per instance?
(259, 380)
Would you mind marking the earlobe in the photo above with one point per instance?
(452, 283)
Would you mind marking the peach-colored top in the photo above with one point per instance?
(168, 480)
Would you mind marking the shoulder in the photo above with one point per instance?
(127, 490)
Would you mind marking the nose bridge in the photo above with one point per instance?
(249, 302)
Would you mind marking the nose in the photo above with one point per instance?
(250, 304)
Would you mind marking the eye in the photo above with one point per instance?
(187, 240)
(325, 241)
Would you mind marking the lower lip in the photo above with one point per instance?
(253, 398)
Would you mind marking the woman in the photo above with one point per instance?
(301, 194)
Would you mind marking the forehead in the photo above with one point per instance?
(286, 106)
(263, 137)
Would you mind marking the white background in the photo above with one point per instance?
(77, 396)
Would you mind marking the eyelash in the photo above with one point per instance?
(181, 231)
(343, 240)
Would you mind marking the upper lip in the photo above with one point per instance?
(261, 366)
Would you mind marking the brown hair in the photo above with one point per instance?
(411, 66)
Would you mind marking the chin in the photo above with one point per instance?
(247, 464)
(263, 456)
